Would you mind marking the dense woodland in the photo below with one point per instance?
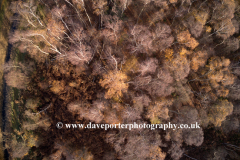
(125, 61)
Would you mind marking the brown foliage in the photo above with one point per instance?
(57, 86)
(179, 67)
(196, 22)
(193, 136)
(18, 74)
(176, 151)
(198, 60)
(113, 27)
(142, 38)
(131, 114)
(162, 37)
(218, 75)
(89, 74)
(91, 113)
(140, 101)
(66, 82)
(99, 6)
(156, 88)
(219, 112)
(17, 79)
(159, 110)
(111, 116)
(39, 121)
(63, 149)
(184, 92)
(123, 4)
(143, 146)
(115, 82)
(221, 18)
(185, 38)
(159, 87)
(230, 124)
(80, 55)
(230, 45)
(234, 92)
(148, 66)
(130, 65)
